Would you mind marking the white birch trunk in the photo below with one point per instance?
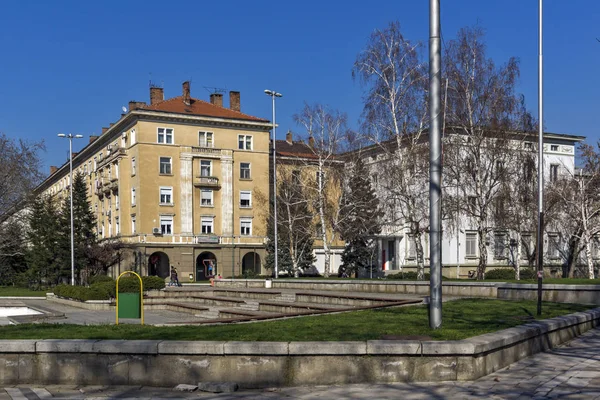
(518, 257)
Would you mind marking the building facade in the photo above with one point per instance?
(176, 180)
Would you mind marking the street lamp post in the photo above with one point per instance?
(274, 94)
(70, 136)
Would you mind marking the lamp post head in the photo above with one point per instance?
(272, 93)
(78, 136)
(62, 135)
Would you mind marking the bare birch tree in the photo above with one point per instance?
(325, 133)
(395, 120)
(579, 198)
(483, 113)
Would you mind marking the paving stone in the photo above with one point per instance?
(218, 387)
(182, 387)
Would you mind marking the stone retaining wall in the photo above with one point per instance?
(584, 294)
(265, 364)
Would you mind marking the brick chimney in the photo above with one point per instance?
(234, 100)
(53, 169)
(288, 137)
(311, 142)
(157, 94)
(136, 104)
(216, 99)
(93, 138)
(186, 92)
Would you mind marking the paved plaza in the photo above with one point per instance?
(571, 371)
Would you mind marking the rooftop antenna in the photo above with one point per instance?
(213, 90)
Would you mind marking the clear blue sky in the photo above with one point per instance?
(69, 66)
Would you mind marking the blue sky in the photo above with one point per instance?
(69, 66)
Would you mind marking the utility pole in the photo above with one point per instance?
(435, 166)
(540, 227)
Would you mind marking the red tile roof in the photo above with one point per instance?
(198, 107)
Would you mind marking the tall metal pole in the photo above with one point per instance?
(274, 94)
(435, 166)
(275, 190)
(70, 136)
(540, 227)
(71, 187)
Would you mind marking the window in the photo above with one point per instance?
(553, 147)
(165, 165)
(596, 247)
(89, 169)
(245, 142)
(206, 197)
(165, 135)
(85, 169)
(319, 229)
(471, 244)
(553, 172)
(132, 137)
(117, 202)
(133, 228)
(95, 164)
(245, 199)
(245, 227)
(116, 166)
(132, 197)
(205, 168)
(244, 170)
(528, 146)
(205, 139)
(166, 224)
(500, 246)
(412, 248)
(117, 226)
(132, 165)
(320, 177)
(526, 247)
(472, 204)
(166, 195)
(207, 225)
(296, 176)
(553, 245)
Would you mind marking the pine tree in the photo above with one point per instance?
(360, 219)
(43, 236)
(84, 234)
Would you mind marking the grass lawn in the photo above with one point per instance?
(21, 292)
(461, 319)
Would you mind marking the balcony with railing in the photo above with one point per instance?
(207, 181)
(207, 152)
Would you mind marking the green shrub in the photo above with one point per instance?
(500, 273)
(100, 278)
(153, 282)
(108, 288)
(406, 276)
(528, 273)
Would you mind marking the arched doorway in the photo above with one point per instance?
(206, 265)
(158, 264)
(251, 262)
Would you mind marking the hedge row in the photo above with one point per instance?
(105, 288)
(509, 274)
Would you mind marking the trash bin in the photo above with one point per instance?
(129, 305)
(268, 283)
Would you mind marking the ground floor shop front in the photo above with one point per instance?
(193, 263)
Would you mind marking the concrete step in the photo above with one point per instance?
(250, 305)
(286, 297)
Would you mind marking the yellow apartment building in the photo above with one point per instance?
(176, 180)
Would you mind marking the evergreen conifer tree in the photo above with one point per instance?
(43, 236)
(84, 234)
(360, 220)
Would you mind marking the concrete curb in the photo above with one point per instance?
(266, 364)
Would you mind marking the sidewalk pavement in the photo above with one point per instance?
(571, 371)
